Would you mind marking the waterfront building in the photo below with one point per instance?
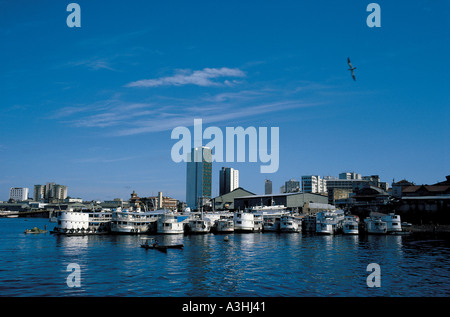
(18, 193)
(198, 178)
(226, 201)
(293, 201)
(397, 187)
(228, 180)
(341, 188)
(268, 187)
(314, 184)
(160, 202)
(115, 203)
(426, 203)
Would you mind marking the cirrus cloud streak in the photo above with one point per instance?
(203, 78)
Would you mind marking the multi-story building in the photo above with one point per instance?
(268, 187)
(292, 186)
(160, 202)
(58, 192)
(314, 184)
(348, 175)
(228, 180)
(50, 192)
(39, 193)
(18, 193)
(198, 178)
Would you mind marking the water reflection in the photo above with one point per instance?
(262, 264)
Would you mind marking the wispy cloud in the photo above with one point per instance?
(212, 116)
(157, 113)
(187, 77)
(106, 114)
(166, 114)
(94, 63)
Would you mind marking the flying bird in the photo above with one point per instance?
(351, 68)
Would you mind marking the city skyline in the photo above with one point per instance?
(93, 107)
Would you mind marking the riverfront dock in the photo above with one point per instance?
(25, 214)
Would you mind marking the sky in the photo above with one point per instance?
(93, 107)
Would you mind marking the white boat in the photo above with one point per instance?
(350, 225)
(329, 222)
(82, 222)
(379, 223)
(290, 224)
(277, 210)
(393, 222)
(244, 221)
(258, 222)
(133, 221)
(199, 225)
(171, 223)
(224, 224)
(271, 223)
(270, 217)
(9, 214)
(374, 225)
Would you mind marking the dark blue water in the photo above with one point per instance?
(263, 264)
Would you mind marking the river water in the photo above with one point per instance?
(247, 265)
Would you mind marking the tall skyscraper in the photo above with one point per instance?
(198, 178)
(228, 180)
(268, 187)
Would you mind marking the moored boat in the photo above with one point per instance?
(350, 225)
(375, 225)
(244, 221)
(329, 222)
(271, 224)
(133, 221)
(393, 223)
(290, 224)
(224, 224)
(171, 223)
(70, 222)
(199, 225)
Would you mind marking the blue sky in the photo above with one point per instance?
(93, 107)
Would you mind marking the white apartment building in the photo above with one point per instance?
(314, 184)
(18, 193)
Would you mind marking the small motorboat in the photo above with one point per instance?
(152, 243)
